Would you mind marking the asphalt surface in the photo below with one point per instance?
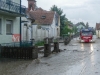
(74, 59)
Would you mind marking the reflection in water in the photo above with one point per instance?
(82, 46)
(92, 55)
(83, 63)
(91, 47)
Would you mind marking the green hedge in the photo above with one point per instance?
(40, 43)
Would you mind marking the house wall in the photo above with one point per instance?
(26, 33)
(58, 33)
(98, 33)
(54, 31)
(8, 38)
(34, 33)
(40, 34)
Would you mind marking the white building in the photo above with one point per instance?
(10, 21)
(98, 30)
(46, 24)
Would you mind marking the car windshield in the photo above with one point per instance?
(86, 33)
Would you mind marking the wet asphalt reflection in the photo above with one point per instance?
(74, 59)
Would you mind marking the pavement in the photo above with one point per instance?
(74, 59)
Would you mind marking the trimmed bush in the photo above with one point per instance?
(40, 43)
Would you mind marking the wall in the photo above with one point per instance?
(8, 38)
(98, 33)
(54, 27)
(40, 34)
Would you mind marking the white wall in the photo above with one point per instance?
(16, 28)
(40, 34)
(98, 33)
(54, 28)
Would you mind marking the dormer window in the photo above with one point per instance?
(43, 17)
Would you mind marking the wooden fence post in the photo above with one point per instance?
(47, 50)
(56, 47)
(66, 40)
(34, 52)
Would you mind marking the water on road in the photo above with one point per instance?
(74, 59)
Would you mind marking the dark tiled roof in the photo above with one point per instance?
(42, 17)
(97, 26)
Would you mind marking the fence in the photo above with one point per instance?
(17, 44)
(19, 52)
(10, 6)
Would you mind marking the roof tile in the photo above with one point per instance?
(42, 17)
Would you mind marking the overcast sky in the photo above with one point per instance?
(75, 10)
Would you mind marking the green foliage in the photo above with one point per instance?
(66, 30)
(87, 25)
(74, 29)
(58, 10)
(63, 20)
(62, 16)
(80, 23)
(55, 40)
(40, 43)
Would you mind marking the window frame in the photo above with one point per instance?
(11, 32)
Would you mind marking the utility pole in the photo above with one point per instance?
(20, 23)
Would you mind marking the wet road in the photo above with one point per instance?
(74, 59)
(89, 65)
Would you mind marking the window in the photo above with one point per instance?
(88, 33)
(9, 27)
(43, 17)
(0, 26)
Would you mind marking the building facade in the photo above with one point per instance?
(98, 30)
(46, 23)
(10, 13)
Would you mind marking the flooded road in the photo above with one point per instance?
(74, 59)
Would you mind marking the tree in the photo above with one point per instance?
(63, 20)
(66, 30)
(58, 10)
(75, 29)
(87, 25)
(62, 16)
(82, 23)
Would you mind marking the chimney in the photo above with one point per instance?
(31, 5)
